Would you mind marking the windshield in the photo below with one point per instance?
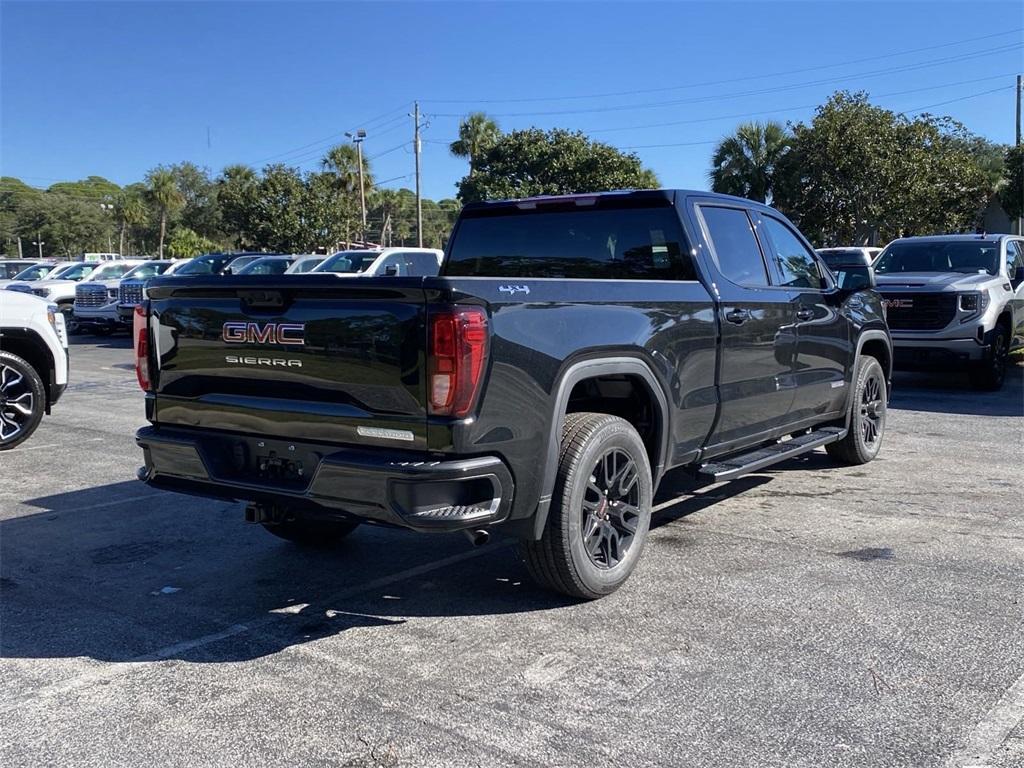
(265, 267)
(75, 272)
(841, 257)
(38, 272)
(964, 256)
(349, 262)
(204, 265)
(110, 271)
(147, 270)
(305, 265)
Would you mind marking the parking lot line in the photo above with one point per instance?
(993, 729)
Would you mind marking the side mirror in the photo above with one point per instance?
(855, 277)
(391, 271)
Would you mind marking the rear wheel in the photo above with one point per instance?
(600, 512)
(22, 400)
(867, 416)
(989, 376)
(312, 533)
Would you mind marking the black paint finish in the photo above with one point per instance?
(735, 366)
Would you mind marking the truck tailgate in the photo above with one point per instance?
(314, 358)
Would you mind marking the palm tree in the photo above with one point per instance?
(744, 163)
(477, 134)
(343, 161)
(166, 197)
(131, 212)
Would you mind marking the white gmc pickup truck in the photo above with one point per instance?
(33, 364)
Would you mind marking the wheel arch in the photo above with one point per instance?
(30, 347)
(582, 371)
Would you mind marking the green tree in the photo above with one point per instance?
(1012, 190)
(477, 134)
(166, 199)
(744, 164)
(237, 188)
(130, 210)
(343, 162)
(557, 162)
(858, 172)
(185, 243)
(199, 211)
(278, 213)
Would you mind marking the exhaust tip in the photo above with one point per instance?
(478, 537)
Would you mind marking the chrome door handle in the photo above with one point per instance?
(738, 316)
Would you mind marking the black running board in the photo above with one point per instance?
(745, 463)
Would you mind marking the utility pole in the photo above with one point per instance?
(1020, 92)
(357, 139)
(419, 198)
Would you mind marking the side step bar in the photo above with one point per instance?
(745, 463)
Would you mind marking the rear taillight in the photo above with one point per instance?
(140, 332)
(458, 357)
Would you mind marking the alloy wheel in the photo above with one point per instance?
(872, 410)
(17, 403)
(611, 508)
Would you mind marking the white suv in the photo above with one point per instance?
(385, 262)
(33, 364)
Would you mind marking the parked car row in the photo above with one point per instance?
(100, 296)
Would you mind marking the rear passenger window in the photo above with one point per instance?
(734, 245)
(795, 263)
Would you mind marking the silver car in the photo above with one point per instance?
(954, 302)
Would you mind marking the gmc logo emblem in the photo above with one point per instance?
(898, 303)
(269, 333)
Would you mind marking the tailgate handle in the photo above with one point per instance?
(262, 299)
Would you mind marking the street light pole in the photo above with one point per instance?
(357, 139)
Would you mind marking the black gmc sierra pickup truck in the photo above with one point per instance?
(571, 352)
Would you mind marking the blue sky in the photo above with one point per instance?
(114, 89)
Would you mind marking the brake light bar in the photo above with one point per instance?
(458, 347)
(140, 333)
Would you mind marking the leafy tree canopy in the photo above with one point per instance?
(858, 170)
(557, 162)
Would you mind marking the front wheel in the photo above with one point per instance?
(867, 416)
(320, 534)
(989, 376)
(22, 400)
(600, 511)
(71, 323)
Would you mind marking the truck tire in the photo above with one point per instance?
(22, 400)
(989, 375)
(320, 534)
(867, 416)
(600, 510)
(71, 323)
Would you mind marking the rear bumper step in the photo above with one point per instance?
(752, 461)
(393, 487)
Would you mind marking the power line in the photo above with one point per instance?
(333, 136)
(742, 115)
(731, 80)
(758, 92)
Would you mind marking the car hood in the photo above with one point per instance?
(933, 281)
(104, 283)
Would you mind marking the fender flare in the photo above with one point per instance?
(866, 336)
(572, 375)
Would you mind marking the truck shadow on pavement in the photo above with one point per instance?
(123, 573)
(941, 392)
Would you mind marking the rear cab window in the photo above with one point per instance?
(569, 240)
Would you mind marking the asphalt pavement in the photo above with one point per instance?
(810, 615)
